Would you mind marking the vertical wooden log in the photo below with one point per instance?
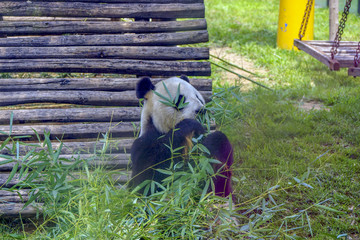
(333, 18)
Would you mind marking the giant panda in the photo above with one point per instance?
(163, 125)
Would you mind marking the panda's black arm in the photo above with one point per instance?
(151, 150)
(184, 129)
(153, 147)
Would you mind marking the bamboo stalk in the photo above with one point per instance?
(241, 76)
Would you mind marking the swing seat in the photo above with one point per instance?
(354, 71)
(321, 50)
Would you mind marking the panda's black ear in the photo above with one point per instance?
(184, 77)
(143, 87)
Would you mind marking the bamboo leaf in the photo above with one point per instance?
(233, 65)
(241, 76)
(328, 208)
(163, 171)
(177, 94)
(3, 145)
(203, 149)
(167, 90)
(17, 150)
(6, 161)
(205, 190)
(11, 122)
(272, 199)
(163, 97)
(297, 180)
(32, 199)
(306, 185)
(21, 171)
(47, 142)
(12, 173)
(309, 224)
(57, 153)
(168, 104)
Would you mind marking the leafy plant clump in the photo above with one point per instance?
(81, 201)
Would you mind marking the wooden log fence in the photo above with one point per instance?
(18, 28)
(95, 84)
(110, 10)
(107, 161)
(119, 66)
(123, 52)
(118, 1)
(149, 39)
(129, 114)
(89, 55)
(83, 146)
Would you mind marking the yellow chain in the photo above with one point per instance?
(306, 17)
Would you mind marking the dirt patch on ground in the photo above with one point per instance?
(238, 60)
(312, 105)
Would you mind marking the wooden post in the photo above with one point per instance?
(333, 18)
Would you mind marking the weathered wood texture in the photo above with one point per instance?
(96, 84)
(121, 10)
(11, 210)
(72, 131)
(108, 161)
(15, 28)
(83, 146)
(95, 98)
(7, 196)
(119, 66)
(152, 39)
(72, 97)
(39, 19)
(321, 50)
(353, 71)
(132, 37)
(128, 114)
(333, 19)
(73, 42)
(317, 54)
(118, 178)
(116, 1)
(123, 52)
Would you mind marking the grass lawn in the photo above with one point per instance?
(312, 157)
(297, 172)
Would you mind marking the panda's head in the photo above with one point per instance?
(163, 117)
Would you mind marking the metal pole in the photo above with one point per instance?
(333, 18)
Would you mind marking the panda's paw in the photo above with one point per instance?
(190, 126)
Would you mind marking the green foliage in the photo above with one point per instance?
(295, 173)
(87, 203)
(170, 100)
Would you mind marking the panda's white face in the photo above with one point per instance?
(164, 117)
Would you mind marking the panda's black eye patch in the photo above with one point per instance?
(180, 102)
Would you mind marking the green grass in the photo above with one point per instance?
(277, 143)
(296, 174)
